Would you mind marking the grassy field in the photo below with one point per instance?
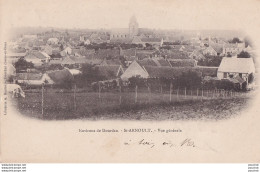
(112, 105)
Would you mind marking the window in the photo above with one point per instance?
(225, 75)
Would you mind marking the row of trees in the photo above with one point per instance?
(189, 80)
(111, 46)
(210, 61)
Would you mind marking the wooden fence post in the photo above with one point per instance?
(42, 100)
(171, 92)
(99, 90)
(120, 97)
(201, 94)
(197, 93)
(178, 93)
(136, 87)
(149, 90)
(75, 106)
(185, 92)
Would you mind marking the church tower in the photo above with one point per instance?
(133, 27)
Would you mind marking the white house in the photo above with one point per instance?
(37, 58)
(231, 67)
(233, 48)
(68, 50)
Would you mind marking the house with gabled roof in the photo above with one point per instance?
(48, 49)
(231, 67)
(135, 69)
(197, 55)
(37, 57)
(209, 51)
(68, 50)
(149, 71)
(137, 40)
(217, 47)
(233, 48)
(68, 61)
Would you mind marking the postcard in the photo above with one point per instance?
(109, 81)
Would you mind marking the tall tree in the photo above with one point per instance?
(22, 64)
(235, 40)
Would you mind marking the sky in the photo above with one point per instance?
(155, 14)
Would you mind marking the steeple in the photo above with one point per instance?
(133, 27)
(133, 19)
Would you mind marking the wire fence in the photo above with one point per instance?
(49, 101)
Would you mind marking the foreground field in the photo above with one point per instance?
(95, 106)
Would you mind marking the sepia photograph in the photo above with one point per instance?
(129, 81)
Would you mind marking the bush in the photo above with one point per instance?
(243, 54)
(221, 84)
(188, 80)
(137, 81)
